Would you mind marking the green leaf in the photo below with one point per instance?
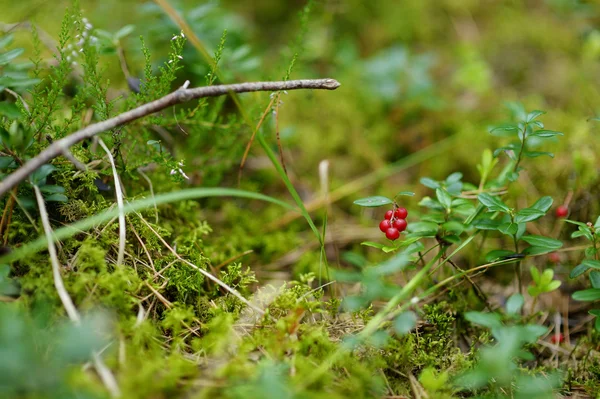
(493, 203)
(6, 40)
(595, 312)
(38, 177)
(578, 270)
(533, 115)
(541, 241)
(508, 228)
(485, 224)
(498, 254)
(591, 294)
(591, 263)
(543, 204)
(552, 286)
(56, 198)
(10, 55)
(7, 162)
(427, 182)
(595, 278)
(535, 154)
(533, 250)
(501, 130)
(372, 202)
(51, 189)
(545, 133)
(124, 31)
(444, 198)
(405, 322)
(407, 193)
(9, 110)
(528, 215)
(372, 244)
(535, 274)
(489, 320)
(514, 303)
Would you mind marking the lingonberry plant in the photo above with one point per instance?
(459, 213)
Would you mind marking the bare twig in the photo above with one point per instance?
(177, 97)
(104, 372)
(120, 205)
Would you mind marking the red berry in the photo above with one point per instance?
(384, 225)
(388, 215)
(392, 233)
(562, 211)
(557, 338)
(400, 224)
(401, 213)
(554, 257)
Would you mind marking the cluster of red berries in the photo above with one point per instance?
(394, 223)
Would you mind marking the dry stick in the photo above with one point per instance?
(120, 205)
(104, 372)
(177, 97)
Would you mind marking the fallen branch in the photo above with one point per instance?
(177, 97)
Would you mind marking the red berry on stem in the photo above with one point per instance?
(400, 224)
(562, 211)
(392, 233)
(401, 213)
(384, 225)
(557, 338)
(554, 257)
(388, 215)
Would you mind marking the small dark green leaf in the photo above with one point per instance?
(493, 203)
(56, 198)
(39, 176)
(533, 250)
(485, 224)
(578, 270)
(543, 204)
(595, 278)
(427, 182)
(592, 264)
(541, 241)
(7, 162)
(405, 322)
(498, 254)
(373, 201)
(528, 215)
(592, 294)
(444, 198)
(508, 228)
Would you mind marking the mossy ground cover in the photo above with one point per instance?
(273, 279)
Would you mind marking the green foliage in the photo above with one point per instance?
(384, 316)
